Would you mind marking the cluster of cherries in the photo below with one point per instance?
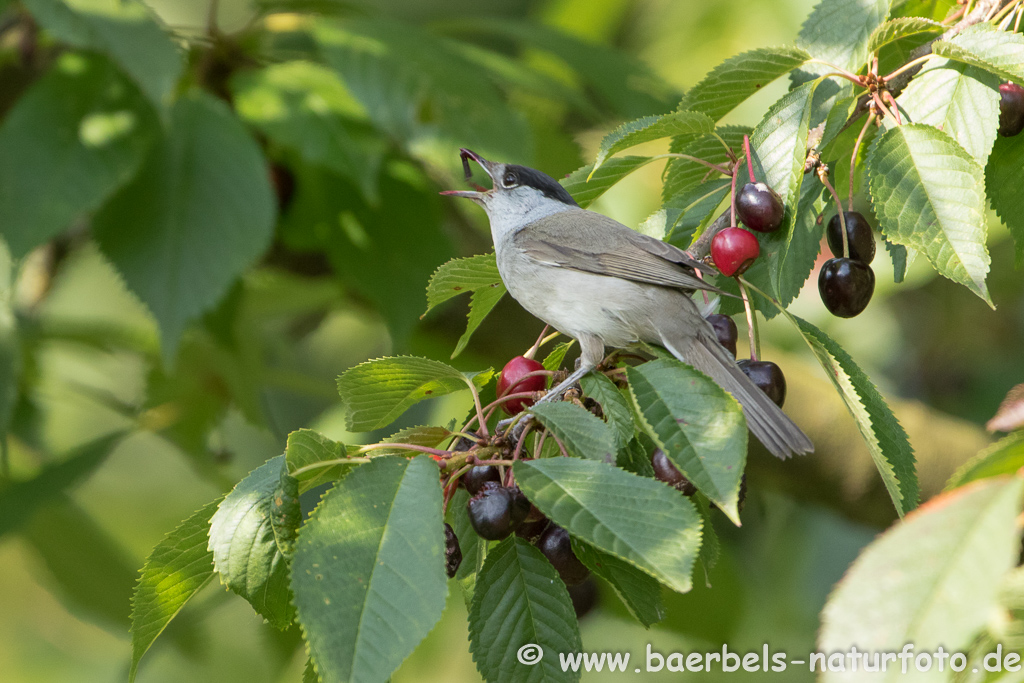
(497, 511)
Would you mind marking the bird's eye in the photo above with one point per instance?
(510, 179)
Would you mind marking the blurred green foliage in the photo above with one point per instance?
(210, 212)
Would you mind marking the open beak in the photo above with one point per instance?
(488, 166)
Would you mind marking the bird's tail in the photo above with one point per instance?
(765, 419)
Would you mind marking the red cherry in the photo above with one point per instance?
(733, 250)
(511, 381)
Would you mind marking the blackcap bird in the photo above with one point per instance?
(596, 280)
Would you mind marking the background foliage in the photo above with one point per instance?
(208, 216)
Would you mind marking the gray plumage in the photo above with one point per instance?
(604, 284)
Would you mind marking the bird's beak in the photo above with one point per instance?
(488, 166)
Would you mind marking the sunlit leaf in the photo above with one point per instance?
(375, 393)
(932, 579)
(249, 550)
(586, 185)
(1005, 456)
(698, 425)
(368, 571)
(583, 434)
(520, 600)
(637, 519)
(901, 27)
(958, 99)
(929, 195)
(177, 569)
(740, 77)
(652, 128)
(986, 47)
(640, 593)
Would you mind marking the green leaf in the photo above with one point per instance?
(305, 107)
(698, 425)
(586, 185)
(683, 174)
(554, 359)
(986, 47)
(462, 275)
(474, 548)
(1002, 179)
(640, 593)
(309, 673)
(179, 566)
(375, 393)
(80, 132)
(637, 519)
(779, 144)
(249, 550)
(1005, 456)
(685, 215)
(368, 572)
(20, 499)
(652, 128)
(520, 600)
(431, 437)
(958, 99)
(481, 303)
(740, 77)
(792, 263)
(623, 82)
(308, 447)
(583, 434)
(198, 214)
(124, 30)
(932, 579)
(929, 195)
(710, 547)
(398, 71)
(901, 27)
(838, 32)
(617, 413)
(886, 441)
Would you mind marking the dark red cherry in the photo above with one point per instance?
(666, 471)
(859, 237)
(557, 547)
(759, 207)
(846, 286)
(725, 330)
(1011, 109)
(511, 381)
(768, 377)
(452, 551)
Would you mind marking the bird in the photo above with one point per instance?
(607, 285)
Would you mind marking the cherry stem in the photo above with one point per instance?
(732, 192)
(728, 150)
(909, 65)
(755, 345)
(884, 109)
(840, 71)
(479, 408)
(532, 351)
(715, 167)
(337, 461)
(561, 446)
(853, 159)
(887, 96)
(518, 450)
(510, 397)
(467, 435)
(540, 444)
(750, 163)
(823, 177)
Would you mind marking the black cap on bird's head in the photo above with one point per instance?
(508, 177)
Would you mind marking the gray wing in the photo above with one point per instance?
(604, 246)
